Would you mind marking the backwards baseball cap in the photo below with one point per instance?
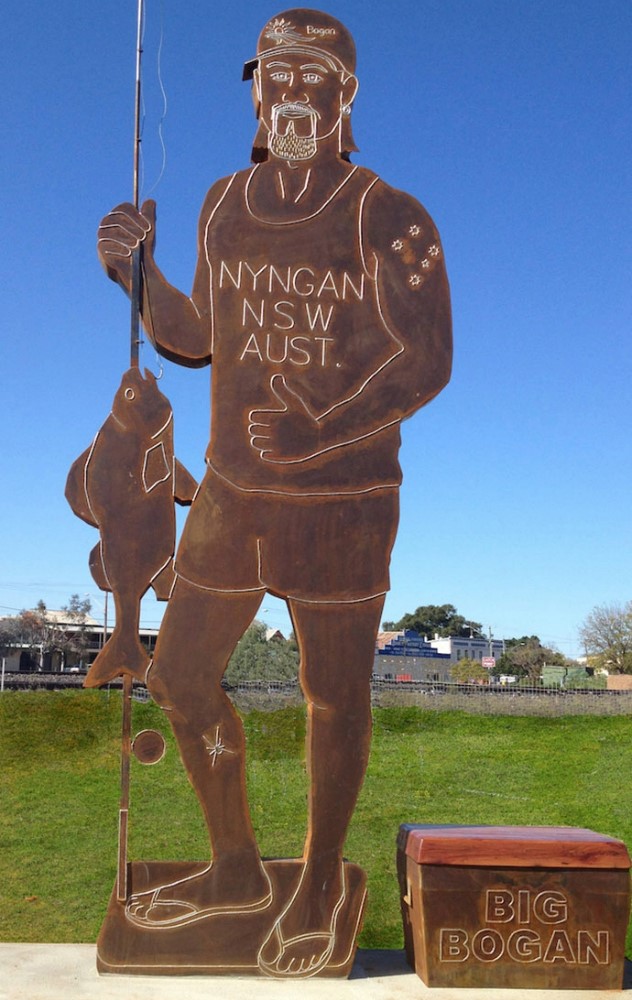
(305, 31)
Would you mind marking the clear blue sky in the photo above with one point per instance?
(509, 121)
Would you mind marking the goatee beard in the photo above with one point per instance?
(290, 146)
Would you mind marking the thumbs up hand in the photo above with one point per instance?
(286, 435)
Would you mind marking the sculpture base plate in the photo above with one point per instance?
(221, 944)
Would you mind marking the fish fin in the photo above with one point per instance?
(162, 583)
(117, 657)
(97, 568)
(155, 467)
(184, 485)
(75, 491)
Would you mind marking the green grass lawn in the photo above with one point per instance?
(59, 754)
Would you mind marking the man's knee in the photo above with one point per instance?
(197, 707)
(173, 687)
(337, 684)
(165, 689)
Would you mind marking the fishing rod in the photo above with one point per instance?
(136, 305)
(137, 253)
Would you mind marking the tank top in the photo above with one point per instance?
(295, 299)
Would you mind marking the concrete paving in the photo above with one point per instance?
(68, 972)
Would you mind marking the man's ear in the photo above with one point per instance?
(349, 90)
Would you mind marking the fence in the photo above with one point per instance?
(446, 697)
(441, 697)
(502, 700)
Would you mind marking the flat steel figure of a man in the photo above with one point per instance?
(321, 300)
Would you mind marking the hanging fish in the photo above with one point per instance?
(125, 485)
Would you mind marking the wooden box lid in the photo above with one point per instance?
(511, 846)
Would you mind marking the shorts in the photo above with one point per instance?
(317, 549)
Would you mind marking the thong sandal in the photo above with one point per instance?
(144, 908)
(275, 947)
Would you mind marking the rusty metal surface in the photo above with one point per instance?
(321, 299)
(125, 485)
(126, 729)
(501, 926)
(149, 746)
(225, 942)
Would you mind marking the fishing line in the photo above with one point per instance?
(165, 107)
(163, 115)
(163, 147)
(161, 138)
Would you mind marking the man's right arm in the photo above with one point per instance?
(179, 326)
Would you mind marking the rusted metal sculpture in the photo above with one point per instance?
(321, 299)
(125, 485)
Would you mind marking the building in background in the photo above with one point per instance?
(54, 642)
(407, 656)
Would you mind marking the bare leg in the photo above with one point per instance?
(198, 635)
(337, 645)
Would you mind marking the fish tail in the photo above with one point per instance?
(120, 655)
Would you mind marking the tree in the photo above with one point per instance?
(506, 664)
(431, 619)
(257, 659)
(78, 608)
(607, 637)
(34, 634)
(522, 641)
(468, 671)
(37, 633)
(8, 635)
(526, 657)
(74, 641)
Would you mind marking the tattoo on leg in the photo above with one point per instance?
(216, 749)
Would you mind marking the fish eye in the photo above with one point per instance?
(129, 394)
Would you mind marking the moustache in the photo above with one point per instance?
(292, 113)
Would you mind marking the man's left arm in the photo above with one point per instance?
(402, 253)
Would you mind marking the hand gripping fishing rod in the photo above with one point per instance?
(136, 301)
